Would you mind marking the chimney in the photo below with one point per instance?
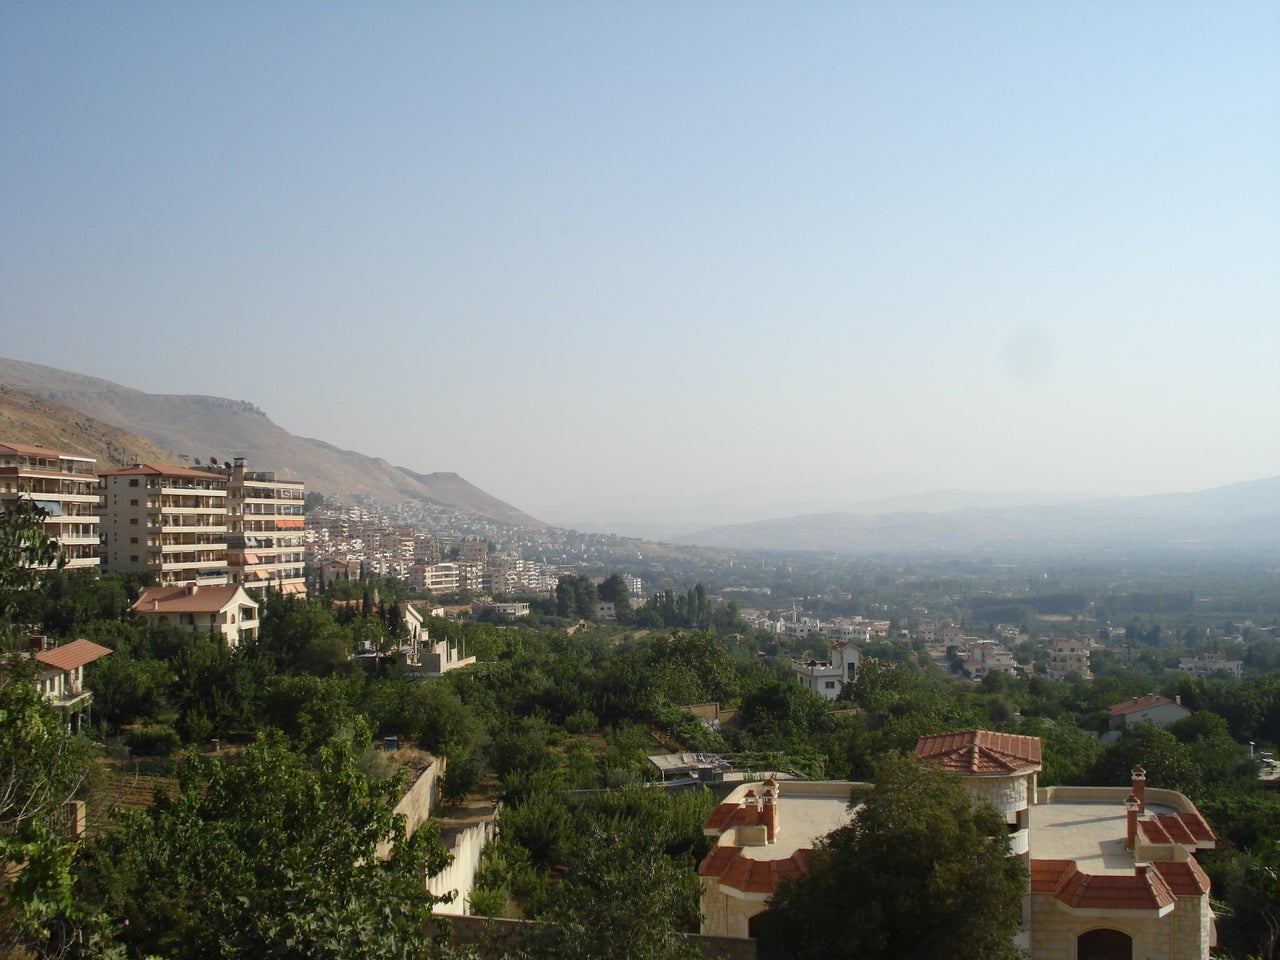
(1131, 806)
(1140, 787)
(192, 587)
(1177, 698)
(770, 809)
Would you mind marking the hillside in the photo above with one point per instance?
(25, 418)
(220, 428)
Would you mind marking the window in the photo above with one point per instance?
(830, 684)
(133, 539)
(133, 558)
(133, 482)
(133, 503)
(133, 521)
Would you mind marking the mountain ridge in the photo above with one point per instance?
(1243, 513)
(222, 428)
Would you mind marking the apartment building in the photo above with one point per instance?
(264, 531)
(65, 486)
(169, 522)
(1067, 657)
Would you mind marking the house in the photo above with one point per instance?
(826, 677)
(65, 487)
(1152, 708)
(1113, 874)
(60, 675)
(225, 609)
(1209, 664)
(764, 833)
(988, 656)
(500, 608)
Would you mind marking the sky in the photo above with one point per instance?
(695, 261)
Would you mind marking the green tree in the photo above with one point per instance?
(26, 552)
(267, 855)
(614, 590)
(928, 870)
(40, 769)
(617, 902)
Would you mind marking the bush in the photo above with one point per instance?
(157, 741)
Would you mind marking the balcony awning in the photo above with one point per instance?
(51, 507)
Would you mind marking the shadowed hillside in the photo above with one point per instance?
(219, 428)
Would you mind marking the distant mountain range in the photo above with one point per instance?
(116, 424)
(1242, 515)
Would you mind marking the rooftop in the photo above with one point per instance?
(981, 752)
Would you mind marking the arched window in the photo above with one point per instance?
(1104, 945)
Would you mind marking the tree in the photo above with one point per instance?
(617, 903)
(26, 552)
(267, 855)
(40, 768)
(613, 589)
(926, 872)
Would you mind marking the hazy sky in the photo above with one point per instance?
(612, 259)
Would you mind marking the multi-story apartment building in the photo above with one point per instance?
(170, 522)
(1067, 657)
(265, 531)
(65, 487)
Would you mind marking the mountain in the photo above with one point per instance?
(32, 420)
(1239, 515)
(219, 428)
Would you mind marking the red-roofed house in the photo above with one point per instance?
(763, 832)
(1152, 708)
(1118, 879)
(60, 675)
(225, 609)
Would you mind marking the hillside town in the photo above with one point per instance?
(229, 557)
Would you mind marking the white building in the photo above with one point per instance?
(65, 487)
(225, 610)
(1209, 664)
(826, 677)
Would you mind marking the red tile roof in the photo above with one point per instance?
(1183, 829)
(1185, 879)
(1145, 889)
(728, 815)
(183, 599)
(151, 470)
(26, 451)
(77, 653)
(1138, 704)
(732, 869)
(979, 752)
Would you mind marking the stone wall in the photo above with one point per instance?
(466, 844)
(1183, 934)
(498, 938)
